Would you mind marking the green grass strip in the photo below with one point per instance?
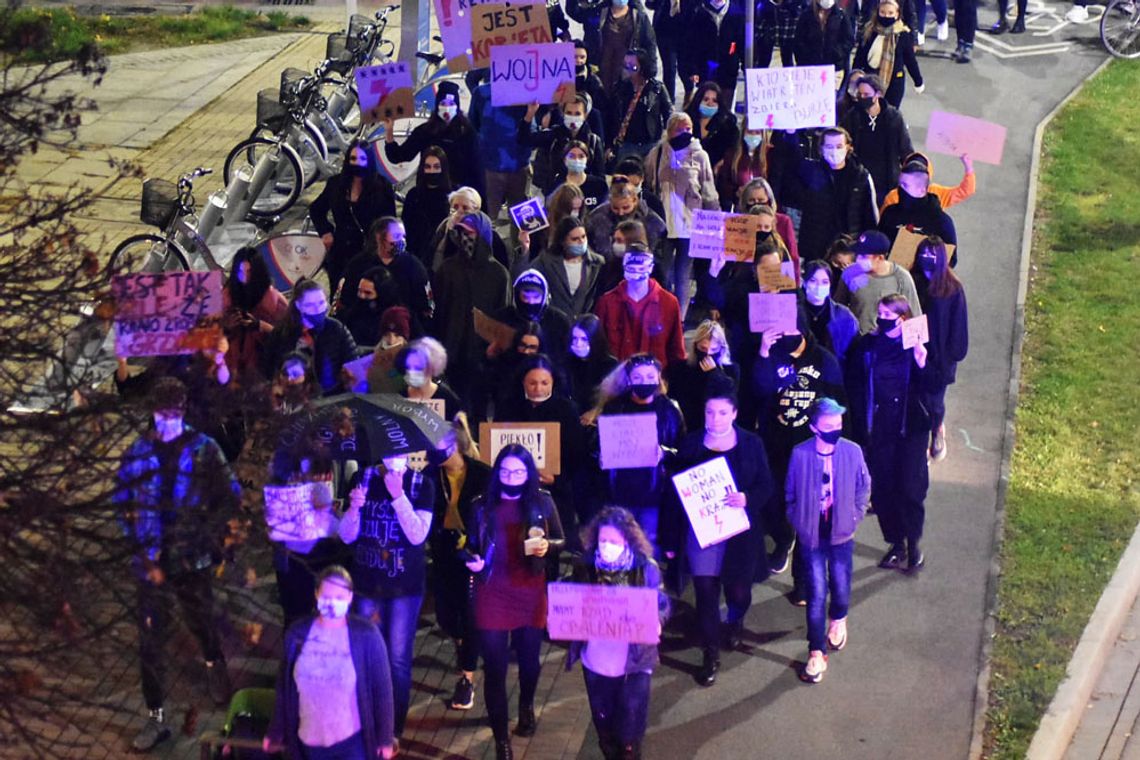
(1074, 494)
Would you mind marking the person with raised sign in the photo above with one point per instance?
(872, 277)
(949, 196)
(918, 210)
(615, 552)
(510, 531)
(886, 384)
(447, 128)
(878, 133)
(731, 565)
(308, 327)
(826, 495)
(506, 161)
(943, 299)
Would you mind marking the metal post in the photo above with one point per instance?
(749, 33)
(349, 11)
(415, 33)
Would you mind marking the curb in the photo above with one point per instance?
(1009, 438)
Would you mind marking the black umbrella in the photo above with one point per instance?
(367, 426)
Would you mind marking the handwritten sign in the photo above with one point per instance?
(542, 439)
(772, 311)
(774, 279)
(522, 74)
(291, 514)
(628, 441)
(492, 330)
(906, 247)
(437, 405)
(914, 331)
(703, 490)
(454, 18)
(791, 97)
(506, 24)
(706, 239)
(164, 313)
(530, 215)
(588, 612)
(385, 92)
(954, 134)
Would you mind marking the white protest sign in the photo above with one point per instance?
(703, 491)
(587, 612)
(437, 405)
(385, 92)
(290, 514)
(628, 441)
(706, 239)
(772, 311)
(542, 439)
(791, 97)
(914, 331)
(164, 314)
(537, 73)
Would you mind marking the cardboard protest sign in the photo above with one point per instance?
(542, 439)
(914, 331)
(588, 611)
(530, 215)
(772, 311)
(791, 97)
(492, 330)
(706, 234)
(740, 236)
(906, 247)
(954, 134)
(291, 257)
(291, 515)
(703, 490)
(437, 405)
(539, 73)
(774, 278)
(385, 92)
(454, 18)
(166, 313)
(514, 23)
(628, 440)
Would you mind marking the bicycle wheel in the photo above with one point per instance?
(1120, 28)
(282, 189)
(147, 254)
(311, 148)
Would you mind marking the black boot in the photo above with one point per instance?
(733, 633)
(1018, 25)
(527, 724)
(914, 557)
(706, 676)
(503, 750)
(1001, 27)
(963, 53)
(894, 556)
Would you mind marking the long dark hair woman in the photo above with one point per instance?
(426, 205)
(447, 128)
(730, 565)
(943, 300)
(510, 531)
(588, 361)
(714, 123)
(252, 307)
(307, 327)
(347, 206)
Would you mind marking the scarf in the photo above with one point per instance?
(881, 56)
(615, 574)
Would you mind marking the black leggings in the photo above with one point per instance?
(496, 646)
(738, 595)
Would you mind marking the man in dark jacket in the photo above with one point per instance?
(824, 37)
(918, 209)
(553, 141)
(532, 304)
(714, 45)
(878, 133)
(408, 278)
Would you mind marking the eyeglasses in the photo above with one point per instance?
(512, 474)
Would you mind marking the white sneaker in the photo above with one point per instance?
(815, 668)
(943, 33)
(921, 39)
(1078, 14)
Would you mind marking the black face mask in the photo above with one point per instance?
(763, 235)
(865, 103)
(580, 71)
(681, 141)
(886, 22)
(830, 437)
(434, 179)
(886, 325)
(788, 343)
(436, 457)
(357, 171)
(643, 391)
(532, 311)
(512, 490)
(317, 320)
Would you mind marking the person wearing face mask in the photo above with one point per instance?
(617, 553)
(593, 186)
(348, 205)
(639, 108)
(776, 26)
(510, 531)
(308, 327)
(948, 196)
(873, 276)
(713, 50)
(680, 173)
(640, 316)
(374, 292)
(421, 366)
(918, 209)
(447, 128)
(409, 285)
(709, 364)
(626, 204)
(174, 492)
(588, 361)
(837, 195)
(891, 421)
(334, 688)
(387, 523)
(554, 141)
(625, 25)
(714, 122)
(448, 241)
(730, 566)
(532, 303)
(570, 268)
(426, 205)
(587, 82)
(825, 36)
(745, 161)
(827, 492)
(943, 300)
(832, 324)
(879, 134)
(252, 306)
(636, 387)
(887, 50)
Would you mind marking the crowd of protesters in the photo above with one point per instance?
(610, 315)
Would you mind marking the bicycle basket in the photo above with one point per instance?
(159, 202)
(336, 45)
(289, 78)
(357, 25)
(270, 112)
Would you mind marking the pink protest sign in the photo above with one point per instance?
(790, 97)
(541, 73)
(385, 91)
(166, 313)
(914, 331)
(772, 311)
(955, 134)
(454, 18)
(585, 612)
(628, 441)
(703, 491)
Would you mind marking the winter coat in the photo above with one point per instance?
(905, 60)
(880, 149)
(656, 331)
(684, 181)
(348, 223)
(553, 142)
(602, 222)
(713, 51)
(333, 347)
(833, 203)
(496, 127)
(649, 117)
(551, 267)
(721, 134)
(459, 141)
(424, 211)
(949, 327)
(851, 492)
(829, 45)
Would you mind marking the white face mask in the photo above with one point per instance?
(574, 122)
(816, 294)
(168, 428)
(866, 264)
(540, 399)
(447, 113)
(332, 609)
(827, 4)
(610, 553)
(834, 156)
(415, 378)
(618, 248)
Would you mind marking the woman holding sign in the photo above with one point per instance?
(510, 532)
(617, 553)
(717, 562)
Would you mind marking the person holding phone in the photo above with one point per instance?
(510, 531)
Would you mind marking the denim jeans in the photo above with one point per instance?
(496, 650)
(679, 271)
(396, 617)
(829, 568)
(351, 748)
(620, 709)
(939, 7)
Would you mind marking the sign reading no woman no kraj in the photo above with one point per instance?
(166, 313)
(542, 73)
(791, 97)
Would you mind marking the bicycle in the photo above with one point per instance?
(1120, 28)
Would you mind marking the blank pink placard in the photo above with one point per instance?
(955, 134)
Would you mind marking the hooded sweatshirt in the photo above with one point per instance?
(947, 196)
(554, 322)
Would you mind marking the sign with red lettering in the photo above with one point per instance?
(703, 491)
(522, 74)
(454, 18)
(791, 97)
(166, 313)
(588, 612)
(506, 24)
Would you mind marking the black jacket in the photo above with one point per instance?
(713, 52)
(539, 514)
(949, 327)
(644, 486)
(424, 210)
(552, 142)
(348, 222)
(333, 346)
(861, 391)
(882, 148)
(827, 46)
(721, 136)
(905, 60)
(833, 203)
(649, 117)
(458, 140)
(922, 215)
